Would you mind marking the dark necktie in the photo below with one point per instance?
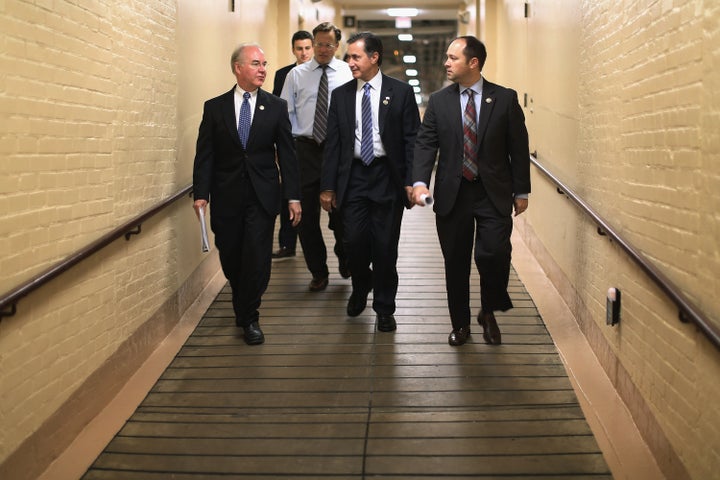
(321, 108)
(469, 170)
(244, 121)
(366, 144)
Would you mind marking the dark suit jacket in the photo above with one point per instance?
(221, 161)
(280, 77)
(503, 156)
(398, 119)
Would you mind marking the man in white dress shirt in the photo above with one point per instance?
(304, 89)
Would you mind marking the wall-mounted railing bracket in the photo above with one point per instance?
(134, 231)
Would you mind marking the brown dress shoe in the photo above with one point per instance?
(317, 284)
(491, 331)
(459, 336)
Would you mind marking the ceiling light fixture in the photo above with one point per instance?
(405, 37)
(403, 12)
(409, 59)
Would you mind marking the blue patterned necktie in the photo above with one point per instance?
(469, 170)
(366, 144)
(244, 122)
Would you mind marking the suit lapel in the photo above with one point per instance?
(455, 109)
(350, 99)
(488, 103)
(228, 115)
(386, 94)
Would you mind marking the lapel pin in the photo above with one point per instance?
(488, 100)
(262, 107)
(386, 101)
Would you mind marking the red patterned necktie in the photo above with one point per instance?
(469, 139)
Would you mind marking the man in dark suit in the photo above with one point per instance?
(372, 124)
(235, 170)
(302, 48)
(483, 173)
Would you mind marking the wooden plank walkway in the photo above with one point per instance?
(329, 397)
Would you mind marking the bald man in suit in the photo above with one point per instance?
(236, 172)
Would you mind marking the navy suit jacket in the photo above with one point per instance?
(398, 119)
(221, 161)
(503, 153)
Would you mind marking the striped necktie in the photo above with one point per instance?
(469, 170)
(321, 108)
(366, 144)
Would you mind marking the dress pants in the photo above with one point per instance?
(244, 242)
(310, 155)
(474, 217)
(287, 235)
(372, 212)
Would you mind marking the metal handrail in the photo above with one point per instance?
(132, 227)
(687, 310)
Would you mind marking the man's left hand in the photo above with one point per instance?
(521, 205)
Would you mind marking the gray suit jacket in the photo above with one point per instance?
(503, 153)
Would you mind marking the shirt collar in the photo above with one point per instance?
(475, 87)
(375, 82)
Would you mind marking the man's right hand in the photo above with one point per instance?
(327, 200)
(417, 194)
(199, 204)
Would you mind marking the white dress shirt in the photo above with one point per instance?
(375, 86)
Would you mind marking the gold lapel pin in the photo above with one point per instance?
(488, 100)
(262, 107)
(386, 101)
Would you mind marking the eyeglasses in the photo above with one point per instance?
(325, 45)
(257, 64)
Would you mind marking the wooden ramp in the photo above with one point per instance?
(329, 397)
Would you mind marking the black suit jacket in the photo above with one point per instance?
(221, 162)
(398, 119)
(280, 77)
(503, 153)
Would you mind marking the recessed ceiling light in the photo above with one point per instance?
(405, 37)
(402, 12)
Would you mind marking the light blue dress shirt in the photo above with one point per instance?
(301, 88)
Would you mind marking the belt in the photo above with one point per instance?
(375, 161)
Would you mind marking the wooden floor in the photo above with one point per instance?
(329, 397)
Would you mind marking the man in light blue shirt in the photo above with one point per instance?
(304, 89)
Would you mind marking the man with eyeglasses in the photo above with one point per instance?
(306, 86)
(235, 171)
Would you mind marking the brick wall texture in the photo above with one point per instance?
(624, 109)
(88, 95)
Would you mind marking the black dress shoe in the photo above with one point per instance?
(386, 322)
(343, 268)
(459, 337)
(253, 334)
(283, 252)
(491, 331)
(317, 284)
(356, 303)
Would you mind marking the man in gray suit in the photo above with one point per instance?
(483, 173)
